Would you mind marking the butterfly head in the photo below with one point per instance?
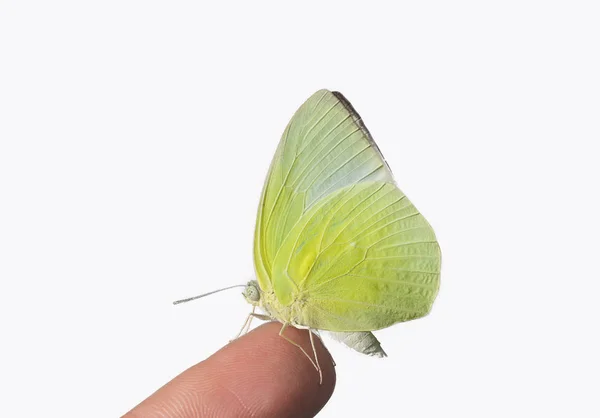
(252, 293)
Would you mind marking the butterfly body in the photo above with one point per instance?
(290, 314)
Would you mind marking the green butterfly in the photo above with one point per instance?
(338, 247)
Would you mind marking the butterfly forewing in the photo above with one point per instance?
(324, 148)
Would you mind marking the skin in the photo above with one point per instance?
(257, 375)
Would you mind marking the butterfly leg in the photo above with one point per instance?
(253, 315)
(303, 351)
(248, 322)
(243, 326)
(318, 334)
(312, 343)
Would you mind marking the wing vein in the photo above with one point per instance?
(360, 213)
(396, 233)
(358, 302)
(379, 279)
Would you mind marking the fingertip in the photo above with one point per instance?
(259, 374)
(290, 383)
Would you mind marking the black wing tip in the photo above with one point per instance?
(358, 120)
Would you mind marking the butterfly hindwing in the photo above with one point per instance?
(363, 259)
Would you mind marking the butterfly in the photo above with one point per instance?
(337, 246)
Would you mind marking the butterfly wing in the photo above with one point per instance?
(362, 259)
(334, 234)
(324, 148)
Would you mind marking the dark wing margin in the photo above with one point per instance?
(359, 122)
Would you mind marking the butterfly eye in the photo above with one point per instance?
(251, 293)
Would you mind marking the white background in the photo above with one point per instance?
(135, 137)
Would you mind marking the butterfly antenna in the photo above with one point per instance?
(177, 302)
